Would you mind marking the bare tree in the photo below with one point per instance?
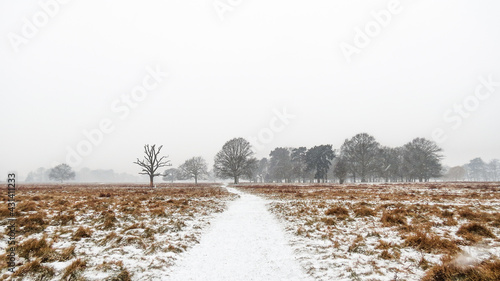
(422, 160)
(151, 162)
(361, 153)
(194, 167)
(171, 174)
(234, 159)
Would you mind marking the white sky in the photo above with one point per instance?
(227, 77)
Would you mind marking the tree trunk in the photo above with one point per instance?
(195, 179)
(235, 179)
(151, 181)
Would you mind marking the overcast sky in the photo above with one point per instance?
(279, 73)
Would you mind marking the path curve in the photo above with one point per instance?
(246, 242)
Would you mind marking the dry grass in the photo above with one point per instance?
(58, 223)
(338, 211)
(35, 270)
(364, 211)
(393, 218)
(474, 231)
(431, 243)
(74, 270)
(407, 220)
(41, 249)
(124, 275)
(82, 232)
(453, 271)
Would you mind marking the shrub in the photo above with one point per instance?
(467, 213)
(364, 211)
(338, 211)
(475, 229)
(430, 243)
(38, 248)
(82, 232)
(392, 218)
(67, 253)
(33, 223)
(65, 219)
(34, 268)
(485, 271)
(73, 271)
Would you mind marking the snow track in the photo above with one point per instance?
(246, 242)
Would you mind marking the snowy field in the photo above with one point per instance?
(108, 232)
(255, 232)
(389, 231)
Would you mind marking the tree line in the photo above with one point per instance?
(359, 159)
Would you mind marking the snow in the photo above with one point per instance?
(245, 243)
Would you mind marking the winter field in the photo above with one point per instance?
(410, 231)
(72, 232)
(391, 231)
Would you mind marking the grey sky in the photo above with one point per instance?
(227, 78)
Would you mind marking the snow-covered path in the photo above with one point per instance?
(244, 243)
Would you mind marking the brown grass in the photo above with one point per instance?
(82, 232)
(68, 253)
(422, 214)
(74, 270)
(393, 218)
(451, 271)
(33, 223)
(124, 275)
(37, 248)
(338, 211)
(36, 270)
(474, 229)
(430, 243)
(364, 211)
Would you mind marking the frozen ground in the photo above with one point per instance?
(357, 245)
(246, 242)
(273, 232)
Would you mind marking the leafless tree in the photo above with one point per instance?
(361, 152)
(194, 168)
(151, 162)
(233, 160)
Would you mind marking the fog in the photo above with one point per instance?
(91, 82)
